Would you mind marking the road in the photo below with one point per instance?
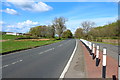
(41, 62)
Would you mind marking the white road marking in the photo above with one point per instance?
(16, 62)
(49, 50)
(41, 53)
(21, 60)
(46, 50)
(68, 63)
(11, 64)
(60, 45)
(5, 66)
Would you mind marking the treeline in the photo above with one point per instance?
(89, 32)
(58, 27)
(109, 30)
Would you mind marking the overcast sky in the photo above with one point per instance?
(21, 15)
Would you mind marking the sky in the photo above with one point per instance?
(21, 15)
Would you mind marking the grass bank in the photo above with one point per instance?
(12, 45)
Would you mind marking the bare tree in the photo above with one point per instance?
(59, 24)
(87, 25)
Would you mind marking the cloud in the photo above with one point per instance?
(10, 11)
(21, 26)
(31, 5)
(27, 23)
(1, 22)
(6, 4)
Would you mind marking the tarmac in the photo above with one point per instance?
(77, 66)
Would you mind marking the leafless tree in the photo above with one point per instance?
(59, 24)
(87, 25)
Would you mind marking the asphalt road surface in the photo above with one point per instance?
(41, 62)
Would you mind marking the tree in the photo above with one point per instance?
(53, 31)
(79, 33)
(50, 33)
(43, 31)
(33, 31)
(87, 25)
(67, 34)
(59, 24)
(106, 31)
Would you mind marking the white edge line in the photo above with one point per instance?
(68, 63)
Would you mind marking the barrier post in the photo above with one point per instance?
(93, 51)
(97, 55)
(119, 66)
(90, 47)
(104, 63)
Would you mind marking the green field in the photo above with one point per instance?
(18, 45)
(7, 37)
(13, 45)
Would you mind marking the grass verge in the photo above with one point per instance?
(106, 43)
(10, 46)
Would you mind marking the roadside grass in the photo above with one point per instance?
(107, 43)
(13, 45)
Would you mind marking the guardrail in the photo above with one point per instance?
(93, 50)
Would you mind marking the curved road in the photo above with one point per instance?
(41, 62)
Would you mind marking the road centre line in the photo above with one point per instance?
(41, 53)
(60, 45)
(5, 66)
(11, 64)
(17, 61)
(46, 50)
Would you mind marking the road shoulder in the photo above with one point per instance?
(77, 66)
